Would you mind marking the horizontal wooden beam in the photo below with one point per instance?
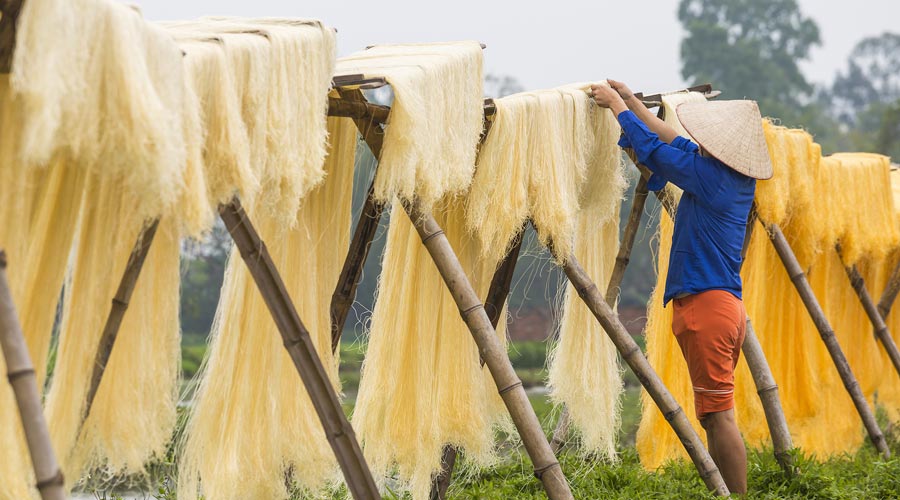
(358, 109)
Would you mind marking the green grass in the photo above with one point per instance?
(862, 475)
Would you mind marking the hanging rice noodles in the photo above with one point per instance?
(551, 157)
(97, 141)
(436, 117)
(805, 188)
(253, 424)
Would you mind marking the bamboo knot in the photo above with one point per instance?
(635, 348)
(56, 480)
(119, 302)
(709, 472)
(538, 473)
(770, 388)
(798, 276)
(465, 313)
(583, 291)
(882, 330)
(624, 260)
(510, 387)
(670, 415)
(2, 259)
(432, 235)
(288, 343)
(13, 376)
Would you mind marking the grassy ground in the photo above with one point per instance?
(863, 475)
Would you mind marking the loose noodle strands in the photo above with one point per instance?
(226, 149)
(302, 62)
(253, 419)
(584, 367)
(436, 117)
(94, 78)
(550, 154)
(422, 384)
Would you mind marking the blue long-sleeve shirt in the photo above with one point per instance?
(712, 214)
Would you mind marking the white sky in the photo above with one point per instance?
(547, 43)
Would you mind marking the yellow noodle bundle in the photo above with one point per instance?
(436, 116)
(93, 77)
(422, 383)
(819, 202)
(253, 420)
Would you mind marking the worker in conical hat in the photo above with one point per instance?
(718, 179)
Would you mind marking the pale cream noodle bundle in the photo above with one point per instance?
(423, 386)
(253, 428)
(436, 117)
(551, 157)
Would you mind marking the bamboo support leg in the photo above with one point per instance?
(546, 468)
(20, 373)
(561, 432)
(766, 388)
(632, 355)
(798, 278)
(300, 347)
(345, 291)
(496, 299)
(890, 293)
(881, 329)
(117, 312)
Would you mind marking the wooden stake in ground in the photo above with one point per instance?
(345, 291)
(496, 299)
(561, 432)
(766, 388)
(117, 313)
(645, 373)
(546, 467)
(300, 347)
(798, 278)
(882, 333)
(20, 373)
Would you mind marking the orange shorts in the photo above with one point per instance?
(710, 328)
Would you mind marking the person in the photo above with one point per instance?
(718, 180)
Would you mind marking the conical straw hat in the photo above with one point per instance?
(730, 131)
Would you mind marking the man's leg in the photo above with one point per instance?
(727, 449)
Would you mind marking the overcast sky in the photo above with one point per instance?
(548, 43)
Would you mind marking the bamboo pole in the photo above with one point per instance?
(635, 359)
(10, 10)
(117, 312)
(345, 291)
(496, 299)
(20, 373)
(882, 333)
(798, 278)
(890, 293)
(766, 388)
(546, 468)
(561, 432)
(300, 347)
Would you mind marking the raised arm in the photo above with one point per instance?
(666, 133)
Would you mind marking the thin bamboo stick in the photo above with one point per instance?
(345, 291)
(766, 388)
(20, 373)
(10, 10)
(561, 432)
(546, 468)
(635, 359)
(798, 278)
(890, 293)
(882, 332)
(300, 347)
(496, 299)
(117, 312)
